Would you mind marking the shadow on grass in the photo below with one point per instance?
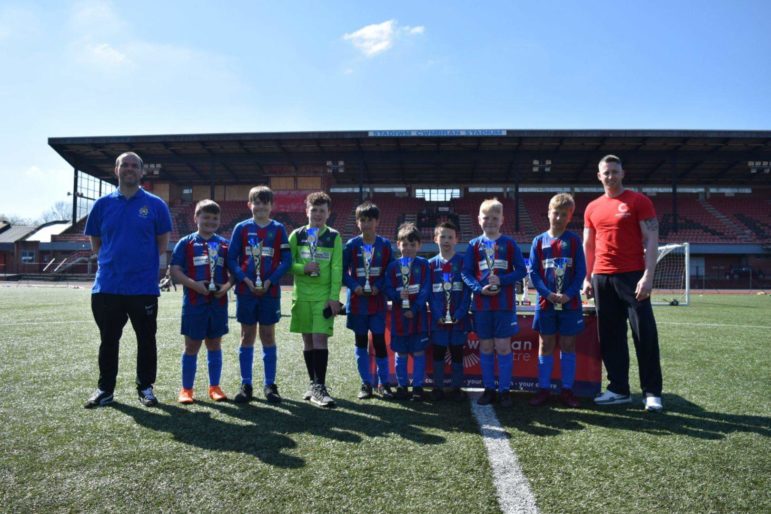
(200, 429)
(266, 431)
(681, 417)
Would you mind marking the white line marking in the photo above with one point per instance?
(513, 489)
(38, 322)
(726, 325)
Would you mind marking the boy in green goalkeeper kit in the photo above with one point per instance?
(317, 265)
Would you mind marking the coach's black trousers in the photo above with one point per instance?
(615, 299)
(111, 311)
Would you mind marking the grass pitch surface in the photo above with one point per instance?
(709, 451)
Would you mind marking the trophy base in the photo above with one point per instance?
(313, 274)
(212, 289)
(557, 306)
(447, 322)
(367, 293)
(495, 289)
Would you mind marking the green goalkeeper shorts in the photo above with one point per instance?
(308, 318)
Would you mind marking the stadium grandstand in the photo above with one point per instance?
(711, 189)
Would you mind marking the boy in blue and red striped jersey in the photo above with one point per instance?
(371, 254)
(409, 326)
(558, 269)
(446, 278)
(259, 256)
(204, 312)
(491, 266)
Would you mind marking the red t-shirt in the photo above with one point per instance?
(618, 244)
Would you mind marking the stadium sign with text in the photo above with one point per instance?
(436, 133)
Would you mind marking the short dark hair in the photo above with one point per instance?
(207, 205)
(318, 198)
(611, 158)
(368, 210)
(262, 193)
(408, 232)
(445, 224)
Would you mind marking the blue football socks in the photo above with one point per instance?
(401, 369)
(545, 367)
(189, 363)
(457, 374)
(269, 358)
(505, 367)
(418, 369)
(362, 364)
(214, 361)
(487, 363)
(245, 358)
(382, 369)
(568, 365)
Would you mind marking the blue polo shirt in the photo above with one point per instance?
(128, 227)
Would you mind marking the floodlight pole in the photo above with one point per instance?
(74, 196)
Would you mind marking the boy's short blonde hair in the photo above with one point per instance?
(491, 204)
(408, 232)
(562, 201)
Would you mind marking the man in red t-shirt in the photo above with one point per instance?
(621, 237)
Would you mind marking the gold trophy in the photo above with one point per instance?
(489, 252)
(559, 273)
(256, 251)
(366, 257)
(313, 241)
(447, 287)
(212, 256)
(405, 271)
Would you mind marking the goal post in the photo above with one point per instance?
(672, 280)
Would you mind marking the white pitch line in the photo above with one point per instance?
(38, 322)
(513, 489)
(726, 325)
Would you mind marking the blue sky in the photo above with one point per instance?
(94, 68)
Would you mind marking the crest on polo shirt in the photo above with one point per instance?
(144, 211)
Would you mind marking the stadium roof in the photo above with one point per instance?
(433, 157)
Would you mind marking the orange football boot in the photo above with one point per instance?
(216, 394)
(185, 396)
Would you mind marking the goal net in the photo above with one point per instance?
(671, 283)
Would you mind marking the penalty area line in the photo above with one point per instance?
(511, 485)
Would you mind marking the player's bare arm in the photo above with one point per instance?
(650, 236)
(589, 255)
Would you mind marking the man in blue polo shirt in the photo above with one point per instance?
(129, 229)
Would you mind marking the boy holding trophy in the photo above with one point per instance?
(449, 304)
(407, 285)
(317, 265)
(198, 263)
(558, 270)
(492, 264)
(365, 259)
(259, 256)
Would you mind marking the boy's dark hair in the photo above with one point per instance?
(318, 198)
(368, 210)
(207, 205)
(408, 232)
(445, 224)
(262, 193)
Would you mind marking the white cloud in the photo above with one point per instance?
(377, 38)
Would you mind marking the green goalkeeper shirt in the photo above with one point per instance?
(329, 256)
